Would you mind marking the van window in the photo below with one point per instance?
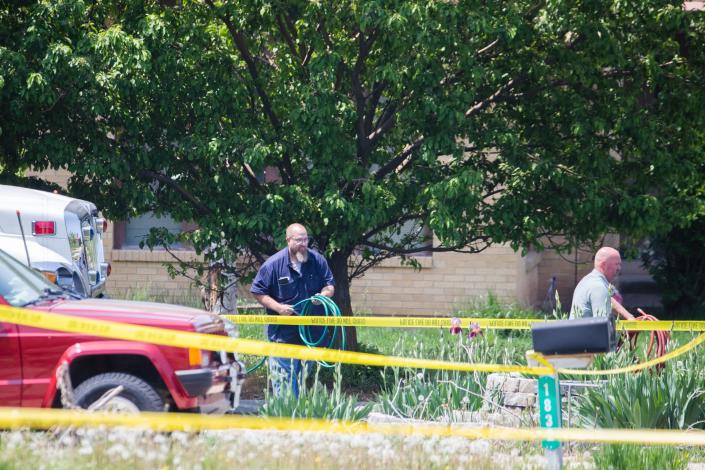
(90, 239)
(73, 233)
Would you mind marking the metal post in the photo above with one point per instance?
(550, 417)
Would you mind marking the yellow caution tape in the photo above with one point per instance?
(445, 322)
(166, 337)
(15, 418)
(660, 325)
(385, 322)
(644, 365)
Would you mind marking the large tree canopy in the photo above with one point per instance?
(486, 122)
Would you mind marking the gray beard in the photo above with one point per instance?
(301, 257)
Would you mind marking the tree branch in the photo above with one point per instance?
(241, 45)
(438, 249)
(395, 162)
(373, 101)
(285, 168)
(493, 98)
(154, 175)
(287, 37)
(385, 226)
(363, 145)
(251, 177)
(403, 158)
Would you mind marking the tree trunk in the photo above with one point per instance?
(338, 263)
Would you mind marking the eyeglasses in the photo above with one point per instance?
(301, 240)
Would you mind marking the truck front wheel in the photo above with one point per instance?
(136, 395)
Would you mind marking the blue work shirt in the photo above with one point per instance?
(278, 279)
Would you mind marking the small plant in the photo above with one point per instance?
(360, 378)
(316, 401)
(492, 307)
(628, 457)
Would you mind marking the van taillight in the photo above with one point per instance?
(101, 224)
(43, 227)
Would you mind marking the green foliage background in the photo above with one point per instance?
(372, 122)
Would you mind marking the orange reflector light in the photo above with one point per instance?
(194, 357)
(50, 275)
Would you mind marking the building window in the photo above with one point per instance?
(128, 234)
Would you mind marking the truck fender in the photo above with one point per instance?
(105, 348)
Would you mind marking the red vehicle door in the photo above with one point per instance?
(41, 350)
(10, 365)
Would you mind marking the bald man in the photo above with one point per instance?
(593, 294)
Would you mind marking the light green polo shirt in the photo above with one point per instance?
(592, 297)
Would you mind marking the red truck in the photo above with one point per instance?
(153, 378)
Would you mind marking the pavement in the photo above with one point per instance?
(248, 407)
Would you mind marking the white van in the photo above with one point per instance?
(58, 235)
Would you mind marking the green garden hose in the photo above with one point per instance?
(330, 309)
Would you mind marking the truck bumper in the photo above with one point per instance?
(196, 382)
(217, 390)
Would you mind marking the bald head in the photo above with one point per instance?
(294, 230)
(608, 262)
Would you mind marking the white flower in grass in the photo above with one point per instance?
(85, 449)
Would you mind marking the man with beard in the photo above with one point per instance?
(291, 275)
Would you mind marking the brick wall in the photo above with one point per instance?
(445, 283)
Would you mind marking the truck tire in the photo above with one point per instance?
(137, 395)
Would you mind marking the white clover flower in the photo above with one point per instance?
(85, 450)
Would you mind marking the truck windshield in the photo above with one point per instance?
(20, 285)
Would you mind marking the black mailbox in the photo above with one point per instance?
(583, 335)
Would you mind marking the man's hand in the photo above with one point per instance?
(284, 309)
(271, 304)
(328, 291)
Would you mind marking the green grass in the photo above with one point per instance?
(628, 457)
(367, 380)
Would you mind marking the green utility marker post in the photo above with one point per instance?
(550, 417)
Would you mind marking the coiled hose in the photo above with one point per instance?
(659, 339)
(325, 340)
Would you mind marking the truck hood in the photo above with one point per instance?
(139, 313)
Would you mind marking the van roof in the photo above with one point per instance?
(25, 196)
